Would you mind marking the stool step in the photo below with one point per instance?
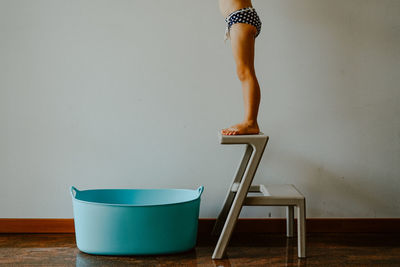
(278, 190)
(273, 195)
(253, 188)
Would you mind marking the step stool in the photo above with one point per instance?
(273, 195)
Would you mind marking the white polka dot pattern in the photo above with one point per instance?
(245, 15)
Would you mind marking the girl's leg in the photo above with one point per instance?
(242, 41)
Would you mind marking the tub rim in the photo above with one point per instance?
(73, 189)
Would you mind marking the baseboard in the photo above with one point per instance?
(245, 225)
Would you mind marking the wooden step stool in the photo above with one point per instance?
(273, 195)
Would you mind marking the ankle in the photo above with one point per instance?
(250, 122)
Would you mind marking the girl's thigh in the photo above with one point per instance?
(242, 41)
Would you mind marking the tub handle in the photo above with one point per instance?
(73, 189)
(200, 190)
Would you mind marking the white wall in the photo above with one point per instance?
(131, 94)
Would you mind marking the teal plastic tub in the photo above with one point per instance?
(135, 221)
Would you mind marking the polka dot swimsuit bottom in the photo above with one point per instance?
(245, 15)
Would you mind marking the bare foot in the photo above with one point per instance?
(242, 128)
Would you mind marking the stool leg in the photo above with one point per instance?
(234, 212)
(231, 195)
(301, 229)
(289, 220)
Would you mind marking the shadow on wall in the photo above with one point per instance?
(327, 193)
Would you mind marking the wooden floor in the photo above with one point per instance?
(323, 249)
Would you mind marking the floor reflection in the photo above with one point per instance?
(188, 258)
(323, 249)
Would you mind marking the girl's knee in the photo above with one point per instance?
(244, 72)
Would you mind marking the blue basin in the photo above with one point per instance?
(135, 221)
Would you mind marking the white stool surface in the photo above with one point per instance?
(241, 138)
(283, 190)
